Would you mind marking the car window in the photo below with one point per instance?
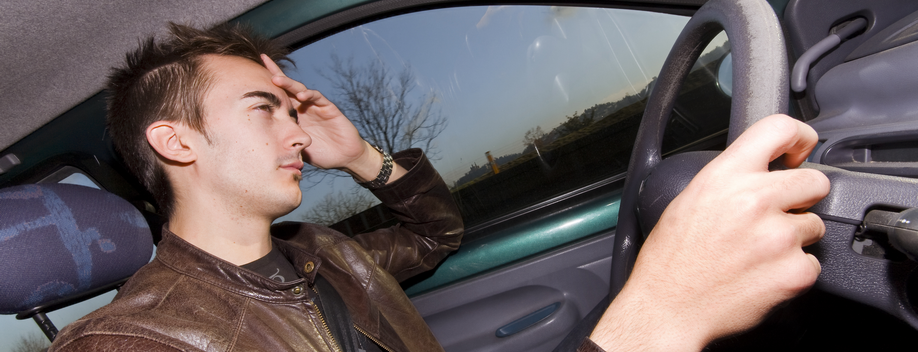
(71, 175)
(514, 105)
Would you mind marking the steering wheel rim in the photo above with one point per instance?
(760, 89)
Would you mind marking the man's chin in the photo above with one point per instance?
(281, 211)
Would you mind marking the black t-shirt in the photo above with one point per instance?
(275, 266)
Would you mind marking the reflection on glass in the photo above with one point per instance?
(725, 75)
(701, 109)
(514, 104)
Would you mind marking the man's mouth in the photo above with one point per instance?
(296, 166)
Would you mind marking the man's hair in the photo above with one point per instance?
(165, 81)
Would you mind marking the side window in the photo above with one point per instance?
(71, 175)
(514, 105)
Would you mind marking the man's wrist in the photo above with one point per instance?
(384, 171)
(366, 167)
(638, 323)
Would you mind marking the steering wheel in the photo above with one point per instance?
(760, 88)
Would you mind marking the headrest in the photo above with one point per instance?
(58, 240)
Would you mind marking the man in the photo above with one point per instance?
(212, 127)
(703, 273)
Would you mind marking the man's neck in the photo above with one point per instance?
(224, 234)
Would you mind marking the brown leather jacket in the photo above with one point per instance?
(187, 299)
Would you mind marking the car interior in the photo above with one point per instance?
(555, 204)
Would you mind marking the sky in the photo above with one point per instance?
(495, 72)
(498, 71)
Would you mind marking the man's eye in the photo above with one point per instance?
(294, 115)
(266, 108)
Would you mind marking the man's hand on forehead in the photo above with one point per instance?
(336, 143)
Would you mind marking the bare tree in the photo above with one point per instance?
(534, 136)
(387, 113)
(382, 107)
(33, 342)
(339, 206)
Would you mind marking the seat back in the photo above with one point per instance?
(61, 244)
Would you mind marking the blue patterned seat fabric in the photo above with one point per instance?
(60, 240)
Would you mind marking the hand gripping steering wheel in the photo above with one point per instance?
(760, 88)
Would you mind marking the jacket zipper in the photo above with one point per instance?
(325, 324)
(328, 331)
(371, 338)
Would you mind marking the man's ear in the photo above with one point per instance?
(166, 138)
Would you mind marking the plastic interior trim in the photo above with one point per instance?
(518, 242)
(802, 67)
(527, 321)
(280, 16)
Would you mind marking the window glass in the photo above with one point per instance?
(79, 179)
(70, 175)
(513, 104)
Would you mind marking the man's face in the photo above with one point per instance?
(253, 164)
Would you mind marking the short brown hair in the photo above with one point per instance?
(164, 80)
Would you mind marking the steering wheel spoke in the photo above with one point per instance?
(882, 283)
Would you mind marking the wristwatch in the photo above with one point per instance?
(384, 172)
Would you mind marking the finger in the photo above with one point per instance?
(796, 188)
(805, 272)
(272, 66)
(815, 263)
(808, 226)
(313, 98)
(770, 138)
(797, 154)
(292, 86)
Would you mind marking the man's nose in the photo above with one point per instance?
(298, 138)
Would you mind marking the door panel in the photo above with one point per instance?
(466, 316)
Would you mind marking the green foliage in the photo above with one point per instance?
(576, 122)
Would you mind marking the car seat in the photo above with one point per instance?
(62, 244)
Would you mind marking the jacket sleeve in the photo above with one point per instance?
(589, 346)
(430, 225)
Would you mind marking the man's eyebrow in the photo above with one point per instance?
(270, 97)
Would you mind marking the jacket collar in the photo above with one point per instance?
(185, 258)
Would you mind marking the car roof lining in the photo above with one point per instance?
(42, 41)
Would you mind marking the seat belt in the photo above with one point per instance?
(337, 316)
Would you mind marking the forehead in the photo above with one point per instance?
(233, 76)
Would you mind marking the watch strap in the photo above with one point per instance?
(383, 177)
